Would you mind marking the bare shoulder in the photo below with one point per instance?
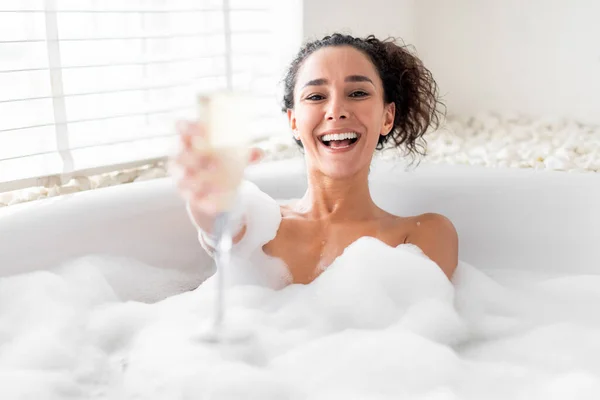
(436, 235)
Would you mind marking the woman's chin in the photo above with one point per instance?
(340, 171)
(339, 166)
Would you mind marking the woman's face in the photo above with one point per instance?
(339, 111)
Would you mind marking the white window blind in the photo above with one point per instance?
(87, 85)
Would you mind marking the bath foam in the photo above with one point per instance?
(395, 328)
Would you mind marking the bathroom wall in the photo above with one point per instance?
(535, 57)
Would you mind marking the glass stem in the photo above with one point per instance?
(223, 252)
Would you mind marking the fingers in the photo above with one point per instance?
(192, 138)
(256, 155)
(193, 187)
(193, 174)
(203, 195)
(187, 128)
(192, 134)
(197, 162)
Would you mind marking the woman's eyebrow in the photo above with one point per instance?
(358, 78)
(350, 78)
(316, 82)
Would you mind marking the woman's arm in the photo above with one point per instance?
(207, 240)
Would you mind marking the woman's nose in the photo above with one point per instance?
(336, 110)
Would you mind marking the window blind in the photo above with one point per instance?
(88, 85)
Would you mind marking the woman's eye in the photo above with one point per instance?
(359, 93)
(314, 97)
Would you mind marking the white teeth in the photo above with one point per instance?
(339, 136)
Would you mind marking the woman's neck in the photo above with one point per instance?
(346, 199)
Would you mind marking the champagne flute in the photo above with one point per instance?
(225, 114)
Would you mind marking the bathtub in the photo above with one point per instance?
(398, 328)
(507, 219)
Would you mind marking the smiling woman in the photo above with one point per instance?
(394, 75)
(344, 97)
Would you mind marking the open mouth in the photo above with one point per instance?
(339, 140)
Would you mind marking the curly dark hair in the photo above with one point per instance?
(406, 82)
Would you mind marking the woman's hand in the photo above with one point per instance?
(202, 173)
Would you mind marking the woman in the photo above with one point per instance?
(345, 97)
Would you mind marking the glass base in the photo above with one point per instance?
(225, 335)
(234, 344)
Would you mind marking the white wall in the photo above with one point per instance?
(359, 17)
(536, 57)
